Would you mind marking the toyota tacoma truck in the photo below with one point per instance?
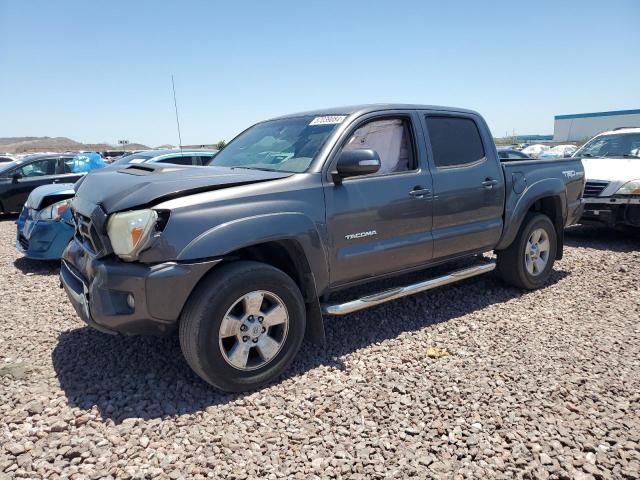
(245, 257)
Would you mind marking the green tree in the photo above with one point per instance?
(221, 144)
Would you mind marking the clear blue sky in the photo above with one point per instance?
(99, 71)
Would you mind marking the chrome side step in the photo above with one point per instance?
(399, 292)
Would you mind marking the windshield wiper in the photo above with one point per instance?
(258, 168)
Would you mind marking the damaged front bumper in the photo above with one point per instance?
(42, 239)
(131, 298)
(612, 211)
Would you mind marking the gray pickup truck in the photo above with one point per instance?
(245, 256)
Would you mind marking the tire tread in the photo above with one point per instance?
(193, 315)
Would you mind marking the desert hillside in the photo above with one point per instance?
(55, 144)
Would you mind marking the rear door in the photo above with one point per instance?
(381, 223)
(67, 170)
(468, 184)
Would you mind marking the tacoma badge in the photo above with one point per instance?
(353, 236)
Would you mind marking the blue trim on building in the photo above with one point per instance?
(530, 138)
(597, 114)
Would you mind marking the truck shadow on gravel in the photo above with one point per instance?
(37, 267)
(602, 238)
(147, 377)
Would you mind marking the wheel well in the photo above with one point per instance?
(552, 208)
(286, 255)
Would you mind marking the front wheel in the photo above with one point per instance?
(528, 261)
(242, 326)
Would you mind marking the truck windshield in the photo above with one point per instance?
(287, 145)
(625, 145)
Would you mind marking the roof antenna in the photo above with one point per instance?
(175, 104)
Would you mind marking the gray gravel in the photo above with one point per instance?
(538, 385)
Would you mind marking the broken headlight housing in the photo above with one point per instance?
(54, 211)
(130, 232)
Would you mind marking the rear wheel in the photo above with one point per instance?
(242, 326)
(528, 261)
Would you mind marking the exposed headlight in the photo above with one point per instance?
(630, 188)
(130, 232)
(54, 211)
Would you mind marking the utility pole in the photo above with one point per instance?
(175, 104)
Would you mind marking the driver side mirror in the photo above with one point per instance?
(352, 163)
(15, 177)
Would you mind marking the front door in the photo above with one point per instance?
(468, 185)
(381, 223)
(29, 176)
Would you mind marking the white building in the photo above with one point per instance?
(582, 126)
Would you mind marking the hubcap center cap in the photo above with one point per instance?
(252, 329)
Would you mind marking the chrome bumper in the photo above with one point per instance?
(612, 201)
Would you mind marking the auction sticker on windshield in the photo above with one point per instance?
(328, 120)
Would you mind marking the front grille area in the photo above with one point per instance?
(594, 189)
(87, 234)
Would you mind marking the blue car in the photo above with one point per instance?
(45, 225)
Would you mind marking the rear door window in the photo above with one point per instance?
(203, 159)
(455, 141)
(178, 160)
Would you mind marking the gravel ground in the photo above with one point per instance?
(537, 385)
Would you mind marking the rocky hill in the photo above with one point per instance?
(56, 144)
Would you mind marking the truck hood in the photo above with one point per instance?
(616, 171)
(143, 184)
(59, 191)
(611, 169)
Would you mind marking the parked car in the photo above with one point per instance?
(20, 177)
(45, 226)
(511, 154)
(559, 151)
(534, 151)
(176, 156)
(246, 255)
(612, 167)
(6, 158)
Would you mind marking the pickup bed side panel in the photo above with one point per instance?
(528, 182)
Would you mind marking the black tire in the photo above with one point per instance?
(203, 314)
(511, 261)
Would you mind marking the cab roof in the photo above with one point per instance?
(374, 107)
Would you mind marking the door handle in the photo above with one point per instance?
(56, 181)
(489, 183)
(419, 192)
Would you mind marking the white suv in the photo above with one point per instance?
(612, 169)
